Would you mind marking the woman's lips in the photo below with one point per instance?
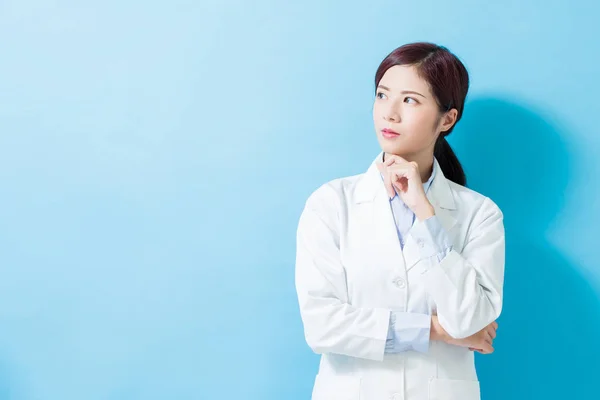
(390, 134)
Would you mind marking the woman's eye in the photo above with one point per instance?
(410, 98)
(380, 95)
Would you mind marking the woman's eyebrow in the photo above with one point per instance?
(403, 92)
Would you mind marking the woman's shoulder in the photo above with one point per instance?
(334, 192)
(473, 200)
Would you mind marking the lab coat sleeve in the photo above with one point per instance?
(467, 286)
(331, 324)
(432, 238)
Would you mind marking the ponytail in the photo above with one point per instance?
(448, 161)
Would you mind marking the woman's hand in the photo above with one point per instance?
(403, 177)
(481, 341)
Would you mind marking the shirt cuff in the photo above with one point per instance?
(408, 331)
(432, 238)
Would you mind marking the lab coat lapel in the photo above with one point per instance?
(380, 232)
(385, 231)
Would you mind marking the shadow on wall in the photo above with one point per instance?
(548, 337)
(11, 384)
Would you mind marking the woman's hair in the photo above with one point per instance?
(449, 82)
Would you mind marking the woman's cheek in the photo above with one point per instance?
(415, 123)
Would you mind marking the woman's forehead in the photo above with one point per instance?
(404, 77)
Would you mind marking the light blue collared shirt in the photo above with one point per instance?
(407, 330)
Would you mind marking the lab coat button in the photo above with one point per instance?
(421, 243)
(401, 283)
(397, 396)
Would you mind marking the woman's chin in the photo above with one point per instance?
(386, 147)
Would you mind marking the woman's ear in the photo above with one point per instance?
(448, 120)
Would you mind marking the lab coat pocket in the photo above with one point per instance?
(453, 389)
(336, 387)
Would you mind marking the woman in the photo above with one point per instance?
(400, 270)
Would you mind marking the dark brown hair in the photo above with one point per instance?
(449, 82)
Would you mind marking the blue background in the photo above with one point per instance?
(155, 157)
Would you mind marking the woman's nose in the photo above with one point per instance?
(391, 116)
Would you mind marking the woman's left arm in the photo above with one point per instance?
(467, 286)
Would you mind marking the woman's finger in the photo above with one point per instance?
(383, 170)
(401, 182)
(399, 170)
(387, 180)
(389, 161)
(395, 176)
(396, 159)
(492, 332)
(488, 338)
(399, 177)
(489, 349)
(486, 348)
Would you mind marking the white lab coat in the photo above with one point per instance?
(351, 273)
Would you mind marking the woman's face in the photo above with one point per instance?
(404, 104)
